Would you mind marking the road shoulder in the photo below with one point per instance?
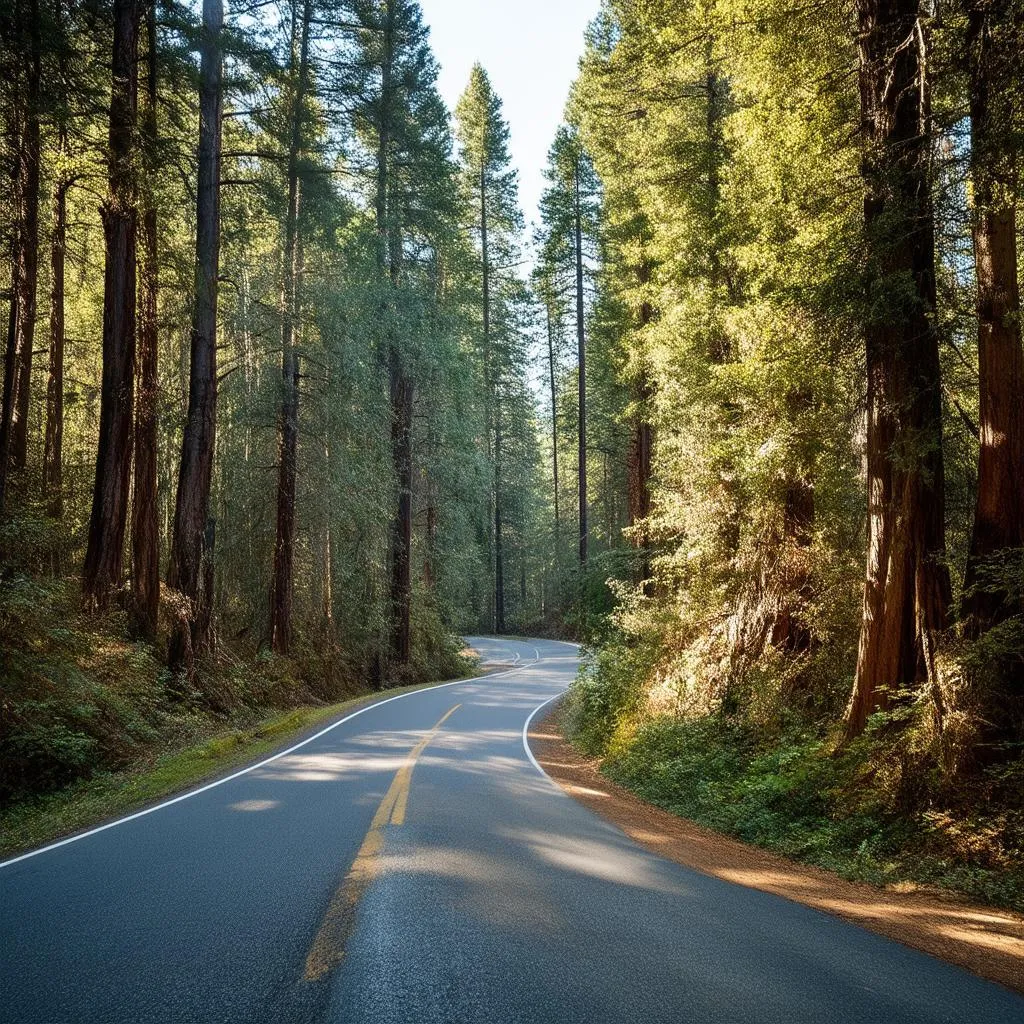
(108, 798)
(988, 942)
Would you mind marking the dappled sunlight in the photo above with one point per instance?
(610, 863)
(446, 862)
(987, 928)
(585, 791)
(1006, 944)
(255, 805)
(326, 767)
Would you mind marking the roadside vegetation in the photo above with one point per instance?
(812, 242)
(92, 724)
(745, 413)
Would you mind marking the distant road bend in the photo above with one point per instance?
(411, 865)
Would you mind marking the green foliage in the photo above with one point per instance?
(871, 811)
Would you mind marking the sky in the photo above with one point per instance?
(530, 49)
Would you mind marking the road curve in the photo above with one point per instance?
(411, 865)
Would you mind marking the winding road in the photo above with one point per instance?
(411, 864)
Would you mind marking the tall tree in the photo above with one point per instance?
(53, 448)
(189, 551)
(907, 590)
(145, 584)
(491, 182)
(282, 583)
(105, 551)
(570, 221)
(995, 35)
(24, 138)
(26, 270)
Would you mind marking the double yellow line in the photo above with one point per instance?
(328, 947)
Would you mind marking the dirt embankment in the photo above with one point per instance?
(988, 942)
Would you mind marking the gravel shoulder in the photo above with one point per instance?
(986, 941)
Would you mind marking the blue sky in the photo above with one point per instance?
(530, 49)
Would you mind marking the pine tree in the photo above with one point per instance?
(490, 184)
(569, 212)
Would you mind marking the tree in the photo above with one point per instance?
(282, 585)
(190, 555)
(995, 32)
(145, 603)
(907, 590)
(104, 554)
(569, 211)
(24, 240)
(488, 177)
(402, 127)
(64, 179)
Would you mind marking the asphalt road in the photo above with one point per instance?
(412, 865)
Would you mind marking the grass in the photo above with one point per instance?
(36, 821)
(795, 795)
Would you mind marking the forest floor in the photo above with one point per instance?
(988, 942)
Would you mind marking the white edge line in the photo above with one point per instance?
(260, 764)
(526, 739)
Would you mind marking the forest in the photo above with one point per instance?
(294, 396)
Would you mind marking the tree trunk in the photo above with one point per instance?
(145, 604)
(26, 269)
(907, 589)
(10, 372)
(53, 458)
(581, 345)
(187, 571)
(282, 585)
(554, 428)
(995, 32)
(401, 532)
(792, 591)
(641, 448)
(105, 550)
(400, 386)
(499, 550)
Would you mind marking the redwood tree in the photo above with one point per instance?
(145, 602)
(907, 588)
(189, 552)
(995, 36)
(105, 551)
(282, 582)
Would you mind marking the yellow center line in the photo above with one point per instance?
(328, 947)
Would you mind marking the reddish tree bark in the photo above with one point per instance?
(995, 35)
(907, 589)
(191, 555)
(145, 603)
(105, 551)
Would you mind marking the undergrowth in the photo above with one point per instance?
(80, 700)
(879, 810)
